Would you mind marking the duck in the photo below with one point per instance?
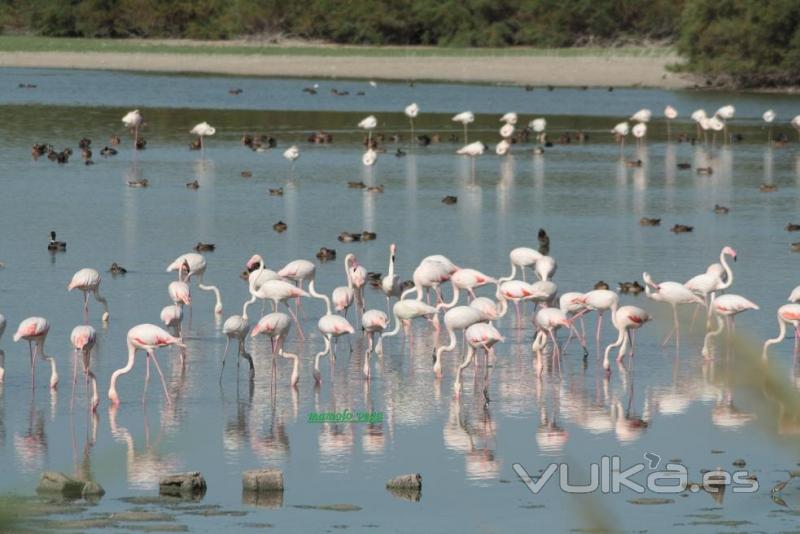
(538, 151)
(56, 245)
(544, 242)
(400, 153)
(705, 170)
(347, 237)
(194, 184)
(768, 188)
(645, 221)
(633, 163)
(450, 200)
(84, 143)
(142, 182)
(423, 140)
(86, 154)
(631, 288)
(114, 140)
(195, 144)
(796, 247)
(280, 226)
(117, 269)
(326, 254)
(246, 174)
(276, 192)
(600, 285)
(40, 149)
(721, 209)
(792, 227)
(375, 189)
(247, 139)
(368, 236)
(681, 229)
(684, 166)
(107, 151)
(141, 143)
(356, 185)
(235, 91)
(204, 247)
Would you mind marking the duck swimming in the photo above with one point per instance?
(56, 245)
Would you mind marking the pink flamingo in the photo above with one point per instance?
(2, 353)
(717, 277)
(88, 280)
(404, 312)
(259, 272)
(390, 284)
(457, 318)
(83, 339)
(237, 326)
(429, 274)
(599, 300)
(549, 320)
(515, 291)
(545, 268)
(572, 306)
(359, 276)
(522, 257)
(487, 307)
(172, 316)
(331, 325)
(34, 330)
(146, 337)
(196, 268)
(673, 294)
(343, 296)
(479, 335)
(788, 313)
(276, 326)
(299, 271)
(468, 280)
(372, 322)
(280, 291)
(727, 306)
(625, 319)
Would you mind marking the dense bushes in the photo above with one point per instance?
(743, 42)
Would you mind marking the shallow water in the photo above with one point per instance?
(585, 197)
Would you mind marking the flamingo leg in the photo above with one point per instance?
(224, 358)
(34, 351)
(146, 377)
(74, 378)
(163, 381)
(296, 322)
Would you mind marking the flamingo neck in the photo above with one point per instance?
(112, 389)
(510, 276)
(448, 305)
(313, 292)
(778, 338)
(347, 273)
(728, 272)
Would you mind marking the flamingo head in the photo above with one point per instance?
(112, 396)
(579, 300)
(2, 374)
(218, 308)
(729, 252)
(185, 267)
(317, 377)
(254, 262)
(393, 250)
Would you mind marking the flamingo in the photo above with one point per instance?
(515, 291)
(330, 325)
(368, 123)
(642, 116)
(180, 295)
(788, 313)
(237, 326)
(487, 307)
(625, 319)
(276, 326)
(473, 150)
(372, 322)
(146, 337)
(280, 291)
(480, 335)
(444, 260)
(196, 265)
(547, 321)
(297, 270)
(795, 122)
(698, 116)
(673, 294)
(292, 154)
(390, 284)
(718, 277)
(545, 268)
(793, 297)
(538, 126)
(521, 257)
(465, 117)
(358, 274)
(468, 280)
(411, 111)
(509, 118)
(34, 330)
(671, 114)
(2, 353)
(458, 318)
(88, 280)
(429, 274)
(133, 119)
(621, 130)
(502, 148)
(639, 131)
(725, 113)
(506, 131)
(201, 130)
(727, 306)
(768, 117)
(405, 311)
(172, 316)
(343, 296)
(571, 303)
(83, 339)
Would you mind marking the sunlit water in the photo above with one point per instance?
(674, 405)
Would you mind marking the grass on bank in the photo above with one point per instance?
(160, 46)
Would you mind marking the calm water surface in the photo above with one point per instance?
(672, 404)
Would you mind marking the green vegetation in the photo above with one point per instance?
(730, 42)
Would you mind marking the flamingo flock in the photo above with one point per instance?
(474, 320)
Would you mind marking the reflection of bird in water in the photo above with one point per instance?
(726, 415)
(628, 426)
(237, 429)
(83, 468)
(472, 432)
(31, 447)
(144, 467)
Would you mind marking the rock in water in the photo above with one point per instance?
(92, 489)
(55, 482)
(183, 484)
(262, 480)
(413, 481)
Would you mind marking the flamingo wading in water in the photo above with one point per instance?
(88, 281)
(34, 330)
(196, 265)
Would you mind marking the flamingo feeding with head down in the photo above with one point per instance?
(193, 265)
(83, 339)
(479, 335)
(599, 300)
(331, 326)
(458, 318)
(88, 281)
(404, 312)
(146, 337)
(34, 330)
(372, 322)
(787, 314)
(625, 319)
(429, 274)
(276, 326)
(237, 326)
(522, 257)
(468, 280)
(727, 306)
